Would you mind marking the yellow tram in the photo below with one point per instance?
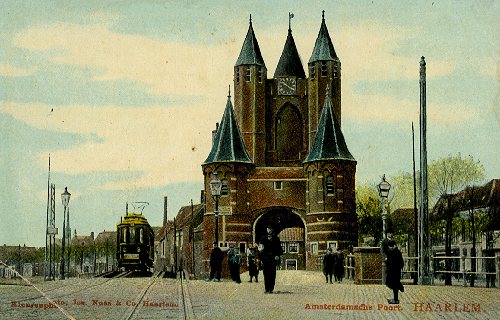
(134, 242)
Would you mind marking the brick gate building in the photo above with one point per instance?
(281, 154)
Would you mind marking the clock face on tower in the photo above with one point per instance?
(287, 86)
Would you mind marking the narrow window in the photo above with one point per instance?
(237, 75)
(283, 246)
(141, 235)
(224, 189)
(324, 69)
(330, 187)
(314, 248)
(312, 72)
(278, 185)
(261, 74)
(248, 73)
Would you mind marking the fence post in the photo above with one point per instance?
(463, 271)
(497, 265)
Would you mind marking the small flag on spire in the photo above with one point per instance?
(290, 16)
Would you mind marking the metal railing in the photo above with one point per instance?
(488, 270)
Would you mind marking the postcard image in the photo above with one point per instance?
(201, 159)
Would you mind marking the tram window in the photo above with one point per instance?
(124, 234)
(141, 236)
(132, 235)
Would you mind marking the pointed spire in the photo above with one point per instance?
(329, 143)
(228, 145)
(250, 51)
(323, 49)
(290, 63)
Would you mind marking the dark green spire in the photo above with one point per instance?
(250, 51)
(290, 64)
(323, 49)
(329, 143)
(228, 145)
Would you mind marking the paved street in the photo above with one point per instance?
(298, 295)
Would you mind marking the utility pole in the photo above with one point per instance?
(415, 210)
(425, 276)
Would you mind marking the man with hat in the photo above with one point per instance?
(216, 257)
(270, 252)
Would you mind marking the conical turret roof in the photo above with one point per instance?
(228, 145)
(250, 51)
(329, 143)
(323, 49)
(290, 64)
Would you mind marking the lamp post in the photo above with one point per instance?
(383, 191)
(65, 201)
(215, 189)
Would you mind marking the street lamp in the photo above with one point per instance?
(383, 191)
(215, 189)
(65, 201)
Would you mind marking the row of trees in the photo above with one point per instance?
(446, 177)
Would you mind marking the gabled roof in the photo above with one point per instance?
(323, 49)
(250, 51)
(329, 143)
(106, 237)
(228, 145)
(290, 64)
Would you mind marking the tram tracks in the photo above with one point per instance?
(182, 310)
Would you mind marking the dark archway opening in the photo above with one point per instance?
(290, 228)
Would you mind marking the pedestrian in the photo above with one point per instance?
(180, 267)
(270, 252)
(216, 257)
(328, 264)
(394, 264)
(339, 266)
(234, 263)
(253, 263)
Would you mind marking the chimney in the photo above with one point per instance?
(92, 234)
(214, 132)
(202, 196)
(165, 210)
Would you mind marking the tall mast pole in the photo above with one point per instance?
(415, 210)
(424, 257)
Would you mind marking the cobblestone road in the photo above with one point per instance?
(298, 295)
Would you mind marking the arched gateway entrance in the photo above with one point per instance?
(290, 227)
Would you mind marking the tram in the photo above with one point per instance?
(134, 242)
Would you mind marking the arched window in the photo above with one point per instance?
(225, 188)
(288, 133)
(324, 69)
(330, 185)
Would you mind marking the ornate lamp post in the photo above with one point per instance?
(65, 201)
(383, 191)
(215, 189)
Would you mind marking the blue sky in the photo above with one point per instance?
(124, 94)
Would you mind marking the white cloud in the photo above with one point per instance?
(380, 108)
(8, 70)
(168, 68)
(156, 141)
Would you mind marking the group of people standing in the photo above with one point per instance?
(266, 256)
(333, 265)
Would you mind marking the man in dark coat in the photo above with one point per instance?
(394, 264)
(234, 263)
(270, 252)
(216, 257)
(253, 263)
(328, 264)
(339, 266)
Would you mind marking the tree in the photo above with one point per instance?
(369, 213)
(447, 176)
